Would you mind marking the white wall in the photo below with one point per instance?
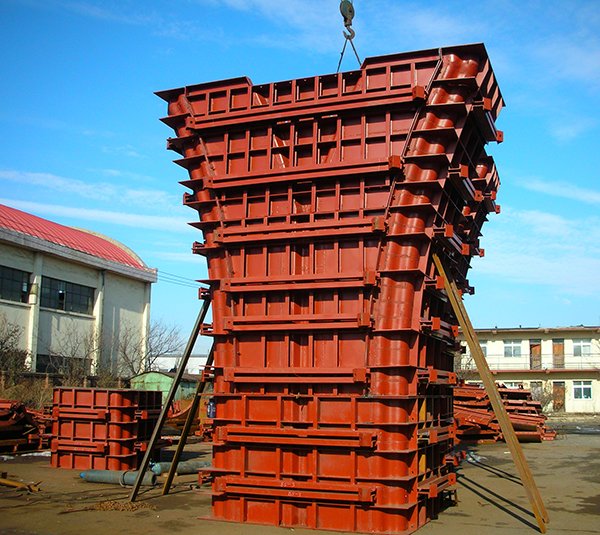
(124, 311)
(65, 333)
(17, 313)
(16, 257)
(64, 270)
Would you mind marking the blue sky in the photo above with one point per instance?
(82, 144)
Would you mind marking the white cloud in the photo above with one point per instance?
(116, 13)
(125, 150)
(567, 129)
(97, 191)
(564, 190)
(149, 199)
(136, 14)
(308, 25)
(572, 57)
(188, 257)
(540, 248)
(149, 222)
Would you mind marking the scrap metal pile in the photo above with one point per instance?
(476, 422)
(22, 428)
(321, 201)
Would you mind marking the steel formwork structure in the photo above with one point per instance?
(321, 201)
(105, 429)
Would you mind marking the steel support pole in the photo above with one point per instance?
(531, 490)
(186, 428)
(163, 414)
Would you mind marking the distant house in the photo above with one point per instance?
(74, 292)
(560, 365)
(168, 363)
(162, 381)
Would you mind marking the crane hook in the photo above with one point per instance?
(347, 11)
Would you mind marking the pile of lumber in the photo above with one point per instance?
(21, 428)
(476, 422)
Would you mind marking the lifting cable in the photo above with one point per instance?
(347, 11)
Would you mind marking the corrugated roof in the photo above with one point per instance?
(80, 240)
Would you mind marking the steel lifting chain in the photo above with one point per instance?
(347, 11)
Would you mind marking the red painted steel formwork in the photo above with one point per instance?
(321, 201)
(102, 429)
(22, 428)
(476, 422)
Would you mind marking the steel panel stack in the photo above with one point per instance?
(476, 422)
(102, 429)
(321, 201)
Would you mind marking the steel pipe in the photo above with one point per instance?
(118, 477)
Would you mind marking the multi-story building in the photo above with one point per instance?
(74, 293)
(560, 365)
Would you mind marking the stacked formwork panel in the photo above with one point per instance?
(477, 423)
(104, 429)
(321, 201)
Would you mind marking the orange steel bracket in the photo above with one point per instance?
(485, 373)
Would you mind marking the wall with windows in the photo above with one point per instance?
(561, 365)
(67, 302)
(543, 349)
(16, 266)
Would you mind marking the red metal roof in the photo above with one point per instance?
(80, 240)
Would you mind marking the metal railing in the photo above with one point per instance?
(538, 362)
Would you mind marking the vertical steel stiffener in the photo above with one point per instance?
(321, 201)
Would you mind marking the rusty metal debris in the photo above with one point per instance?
(477, 423)
(22, 428)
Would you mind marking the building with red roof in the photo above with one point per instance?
(78, 296)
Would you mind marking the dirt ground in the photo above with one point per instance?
(491, 498)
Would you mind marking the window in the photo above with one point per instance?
(582, 389)
(62, 365)
(67, 296)
(512, 348)
(14, 284)
(483, 344)
(582, 348)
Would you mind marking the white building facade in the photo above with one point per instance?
(560, 365)
(73, 292)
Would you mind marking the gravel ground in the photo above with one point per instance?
(491, 498)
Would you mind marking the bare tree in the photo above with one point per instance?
(12, 358)
(543, 393)
(72, 354)
(464, 365)
(139, 354)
